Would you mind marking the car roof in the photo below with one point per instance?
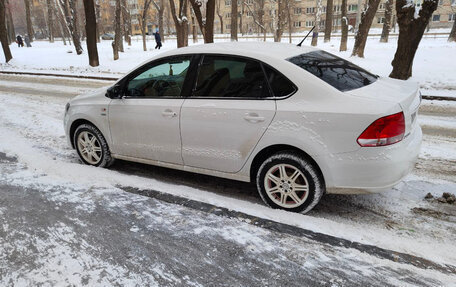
(257, 50)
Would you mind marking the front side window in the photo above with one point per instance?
(339, 73)
(163, 80)
(230, 77)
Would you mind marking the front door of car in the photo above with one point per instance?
(144, 123)
(227, 113)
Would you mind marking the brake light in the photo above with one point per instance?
(384, 131)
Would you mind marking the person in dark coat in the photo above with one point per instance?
(19, 41)
(27, 41)
(157, 39)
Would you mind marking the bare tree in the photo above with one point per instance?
(98, 16)
(234, 20)
(220, 15)
(91, 33)
(161, 11)
(317, 23)
(180, 22)
(50, 13)
(289, 6)
(71, 15)
(452, 36)
(367, 17)
(118, 30)
(143, 19)
(126, 22)
(4, 32)
(62, 22)
(241, 15)
(194, 27)
(411, 30)
(257, 15)
(387, 22)
(29, 20)
(207, 24)
(280, 20)
(329, 20)
(344, 23)
(10, 23)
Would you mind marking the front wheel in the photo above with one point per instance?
(288, 181)
(91, 146)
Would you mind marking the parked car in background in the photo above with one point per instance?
(296, 121)
(107, 36)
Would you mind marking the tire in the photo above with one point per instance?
(290, 182)
(88, 139)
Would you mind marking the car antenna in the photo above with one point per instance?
(300, 43)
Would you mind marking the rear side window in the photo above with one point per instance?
(280, 85)
(339, 73)
(230, 77)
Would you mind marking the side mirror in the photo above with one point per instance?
(113, 92)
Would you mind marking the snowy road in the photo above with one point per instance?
(65, 223)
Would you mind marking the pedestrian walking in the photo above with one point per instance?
(157, 39)
(19, 41)
(27, 41)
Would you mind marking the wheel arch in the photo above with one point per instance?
(75, 124)
(266, 152)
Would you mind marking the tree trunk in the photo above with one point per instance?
(10, 23)
(98, 17)
(91, 33)
(221, 24)
(289, 20)
(411, 31)
(452, 37)
(126, 22)
(29, 20)
(144, 22)
(317, 23)
(50, 11)
(234, 20)
(344, 22)
(241, 28)
(61, 19)
(279, 30)
(387, 23)
(4, 32)
(118, 30)
(194, 30)
(207, 25)
(366, 21)
(161, 28)
(72, 21)
(180, 22)
(328, 21)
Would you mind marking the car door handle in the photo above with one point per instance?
(253, 118)
(169, 113)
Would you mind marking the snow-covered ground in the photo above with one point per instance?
(399, 219)
(434, 65)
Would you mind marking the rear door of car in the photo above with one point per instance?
(230, 108)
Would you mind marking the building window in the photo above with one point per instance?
(228, 26)
(310, 23)
(310, 10)
(380, 20)
(228, 15)
(272, 12)
(436, 18)
(440, 2)
(297, 11)
(336, 22)
(352, 7)
(296, 24)
(249, 14)
(451, 17)
(337, 8)
(323, 9)
(381, 6)
(453, 2)
(227, 2)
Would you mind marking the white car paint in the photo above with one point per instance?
(222, 137)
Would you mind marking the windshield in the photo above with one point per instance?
(339, 73)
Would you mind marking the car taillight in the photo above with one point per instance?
(384, 131)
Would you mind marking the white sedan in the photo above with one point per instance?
(296, 121)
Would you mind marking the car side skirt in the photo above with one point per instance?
(233, 176)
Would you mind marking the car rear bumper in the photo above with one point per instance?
(371, 169)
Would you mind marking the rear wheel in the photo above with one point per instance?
(91, 146)
(288, 181)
